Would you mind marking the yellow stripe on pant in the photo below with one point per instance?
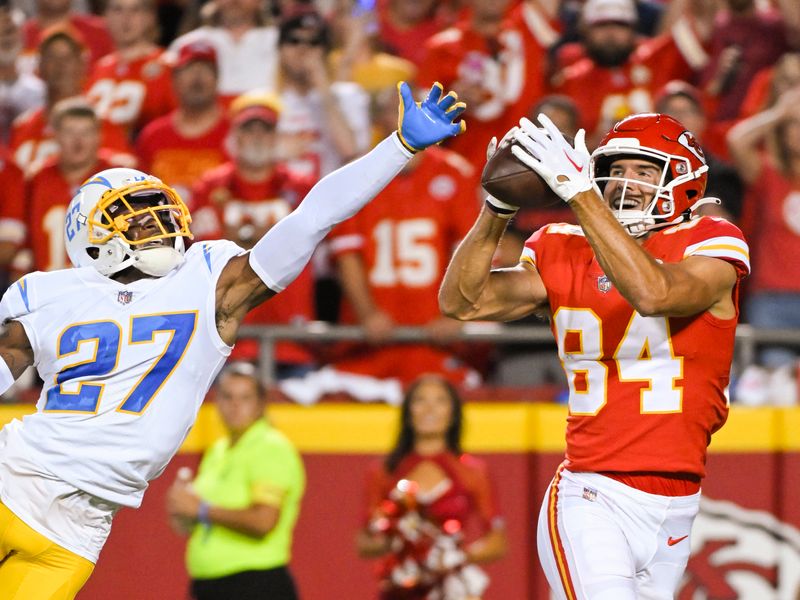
(35, 568)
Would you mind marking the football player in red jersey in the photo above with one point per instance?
(636, 294)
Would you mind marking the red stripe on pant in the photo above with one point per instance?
(555, 538)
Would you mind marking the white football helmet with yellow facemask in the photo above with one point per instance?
(98, 230)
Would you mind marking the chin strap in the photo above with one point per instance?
(639, 229)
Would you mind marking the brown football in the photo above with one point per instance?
(507, 179)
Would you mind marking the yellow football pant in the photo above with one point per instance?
(35, 568)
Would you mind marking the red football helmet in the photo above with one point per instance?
(662, 140)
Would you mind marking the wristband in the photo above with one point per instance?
(202, 514)
(500, 208)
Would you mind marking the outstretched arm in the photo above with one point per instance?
(279, 257)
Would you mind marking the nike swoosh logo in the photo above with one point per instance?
(671, 541)
(578, 167)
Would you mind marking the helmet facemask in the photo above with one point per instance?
(660, 210)
(151, 207)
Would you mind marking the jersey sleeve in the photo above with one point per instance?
(533, 246)
(18, 304)
(346, 237)
(276, 472)
(718, 238)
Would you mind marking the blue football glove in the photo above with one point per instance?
(422, 124)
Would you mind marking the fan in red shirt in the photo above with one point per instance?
(131, 86)
(240, 200)
(12, 212)
(636, 294)
(59, 13)
(62, 66)
(621, 72)
(77, 133)
(486, 61)
(182, 145)
(391, 258)
(404, 27)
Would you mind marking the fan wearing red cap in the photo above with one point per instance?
(185, 143)
(241, 200)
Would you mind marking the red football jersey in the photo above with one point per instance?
(509, 85)
(407, 234)
(405, 237)
(131, 94)
(177, 160)
(237, 204)
(49, 195)
(645, 392)
(606, 95)
(32, 142)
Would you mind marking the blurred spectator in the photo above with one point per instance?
(405, 25)
(19, 91)
(766, 151)
(245, 45)
(325, 124)
(770, 83)
(240, 201)
(538, 22)
(392, 256)
(424, 501)
(13, 207)
(684, 102)
(621, 73)
(484, 61)
(242, 506)
(131, 86)
(182, 145)
(50, 13)
(77, 134)
(62, 66)
(745, 39)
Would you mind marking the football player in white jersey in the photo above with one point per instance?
(129, 341)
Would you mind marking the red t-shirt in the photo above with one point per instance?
(510, 83)
(49, 194)
(645, 392)
(177, 160)
(408, 43)
(236, 203)
(606, 95)
(131, 95)
(775, 231)
(32, 141)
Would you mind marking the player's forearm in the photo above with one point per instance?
(280, 256)
(467, 277)
(635, 274)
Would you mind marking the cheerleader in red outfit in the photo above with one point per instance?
(425, 500)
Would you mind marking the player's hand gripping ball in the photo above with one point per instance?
(508, 179)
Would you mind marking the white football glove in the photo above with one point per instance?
(563, 167)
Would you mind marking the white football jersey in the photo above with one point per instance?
(125, 368)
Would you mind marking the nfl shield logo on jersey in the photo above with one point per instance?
(124, 297)
(603, 284)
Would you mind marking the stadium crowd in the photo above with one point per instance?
(242, 105)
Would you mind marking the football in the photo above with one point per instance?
(507, 179)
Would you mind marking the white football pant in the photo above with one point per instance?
(599, 539)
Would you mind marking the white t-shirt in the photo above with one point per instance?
(245, 64)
